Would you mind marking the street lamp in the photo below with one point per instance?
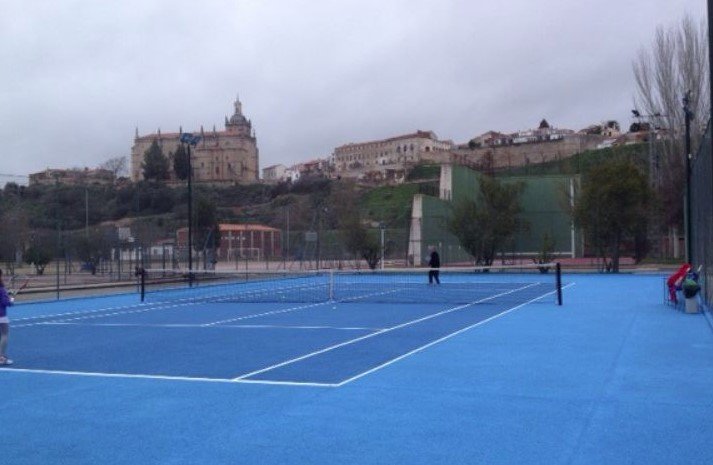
(190, 140)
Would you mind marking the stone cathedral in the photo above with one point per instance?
(221, 157)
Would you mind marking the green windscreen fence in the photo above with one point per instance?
(545, 202)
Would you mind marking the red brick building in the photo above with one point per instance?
(254, 241)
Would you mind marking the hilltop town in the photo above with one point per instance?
(231, 156)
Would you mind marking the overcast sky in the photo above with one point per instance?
(77, 77)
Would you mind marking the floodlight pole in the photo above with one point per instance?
(687, 200)
(188, 139)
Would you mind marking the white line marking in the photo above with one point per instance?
(78, 312)
(98, 312)
(179, 325)
(134, 309)
(161, 377)
(284, 383)
(337, 328)
(402, 325)
(448, 336)
(272, 312)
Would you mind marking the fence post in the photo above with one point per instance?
(558, 269)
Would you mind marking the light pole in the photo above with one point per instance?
(688, 114)
(189, 139)
(59, 237)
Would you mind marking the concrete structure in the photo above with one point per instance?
(388, 159)
(274, 174)
(74, 177)
(252, 241)
(229, 156)
(315, 167)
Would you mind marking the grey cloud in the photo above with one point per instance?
(79, 76)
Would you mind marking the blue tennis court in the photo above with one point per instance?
(268, 330)
(612, 376)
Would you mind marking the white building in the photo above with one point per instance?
(274, 173)
(388, 159)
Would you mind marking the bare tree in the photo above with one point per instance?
(675, 64)
(117, 165)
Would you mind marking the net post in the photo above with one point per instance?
(142, 278)
(330, 286)
(558, 273)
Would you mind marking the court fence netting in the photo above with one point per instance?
(460, 286)
(702, 215)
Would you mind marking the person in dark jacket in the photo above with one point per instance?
(5, 301)
(434, 262)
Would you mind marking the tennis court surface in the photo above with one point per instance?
(317, 328)
(484, 369)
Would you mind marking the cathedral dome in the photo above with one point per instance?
(238, 118)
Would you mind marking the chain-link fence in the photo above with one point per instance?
(702, 214)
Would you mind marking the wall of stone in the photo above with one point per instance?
(511, 156)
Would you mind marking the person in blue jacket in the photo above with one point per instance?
(5, 301)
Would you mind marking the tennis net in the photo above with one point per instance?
(520, 283)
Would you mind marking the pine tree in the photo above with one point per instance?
(155, 164)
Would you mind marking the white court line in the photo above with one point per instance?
(160, 377)
(77, 312)
(448, 336)
(143, 308)
(338, 328)
(292, 309)
(392, 328)
(96, 313)
(271, 312)
(179, 325)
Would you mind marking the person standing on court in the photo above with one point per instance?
(5, 301)
(435, 263)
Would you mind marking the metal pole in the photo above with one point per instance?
(190, 218)
(652, 160)
(382, 245)
(86, 211)
(558, 279)
(710, 93)
(142, 274)
(687, 199)
(59, 247)
(319, 238)
(59, 241)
